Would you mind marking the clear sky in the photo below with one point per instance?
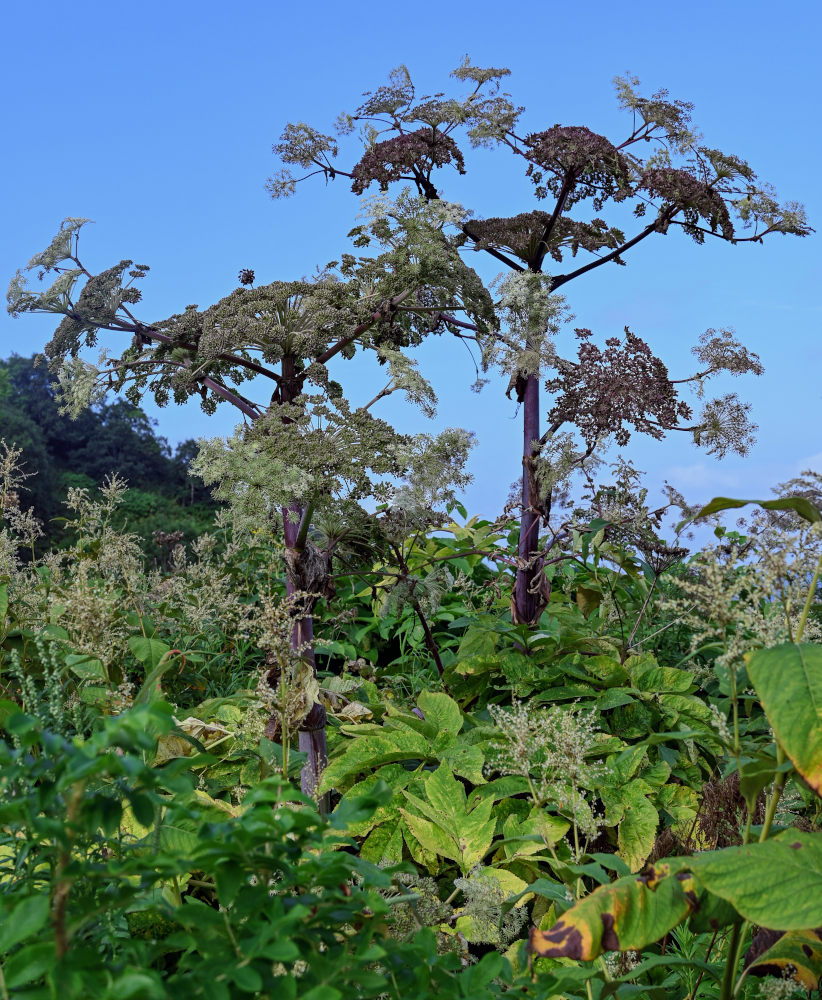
(157, 120)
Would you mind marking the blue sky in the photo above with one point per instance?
(157, 120)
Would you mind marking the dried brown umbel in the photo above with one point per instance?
(624, 384)
(411, 156)
(693, 197)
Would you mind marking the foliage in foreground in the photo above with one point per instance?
(593, 808)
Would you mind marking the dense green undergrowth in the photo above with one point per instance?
(623, 801)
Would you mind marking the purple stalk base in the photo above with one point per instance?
(530, 592)
(312, 736)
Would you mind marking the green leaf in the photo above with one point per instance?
(148, 651)
(525, 837)
(626, 915)
(384, 843)
(788, 682)
(776, 884)
(431, 836)
(137, 986)
(4, 602)
(499, 788)
(443, 711)
(648, 675)
(25, 920)
(679, 801)
(154, 655)
(322, 993)
(613, 698)
(28, 964)
(451, 829)
(393, 775)
(247, 978)
(465, 760)
(356, 808)
(804, 508)
(637, 831)
(755, 775)
(606, 669)
(85, 666)
(365, 753)
(548, 889)
(611, 862)
(447, 796)
(7, 708)
(477, 641)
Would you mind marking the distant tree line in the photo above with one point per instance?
(116, 437)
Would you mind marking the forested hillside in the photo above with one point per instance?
(114, 438)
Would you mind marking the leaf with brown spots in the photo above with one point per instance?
(797, 954)
(626, 915)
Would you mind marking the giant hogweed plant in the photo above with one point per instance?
(305, 450)
(659, 167)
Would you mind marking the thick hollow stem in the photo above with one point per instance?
(528, 600)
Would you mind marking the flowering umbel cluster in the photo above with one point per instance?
(552, 749)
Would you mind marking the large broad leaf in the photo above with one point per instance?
(804, 508)
(445, 825)
(788, 681)
(637, 831)
(797, 954)
(368, 752)
(776, 884)
(626, 915)
(86, 666)
(647, 675)
(397, 778)
(148, 651)
(532, 834)
(465, 760)
(384, 844)
(27, 918)
(443, 711)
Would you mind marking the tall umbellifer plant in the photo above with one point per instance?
(657, 173)
(305, 450)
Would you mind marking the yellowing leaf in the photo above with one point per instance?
(626, 915)
(460, 834)
(797, 955)
(637, 832)
(355, 712)
(588, 600)
(364, 753)
(788, 681)
(441, 710)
